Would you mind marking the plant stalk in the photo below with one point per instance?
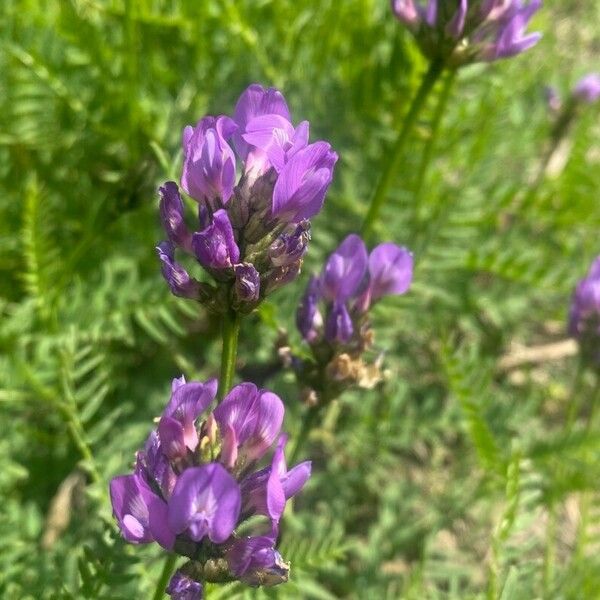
(386, 179)
(165, 575)
(310, 416)
(430, 145)
(230, 332)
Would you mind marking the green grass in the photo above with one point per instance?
(456, 479)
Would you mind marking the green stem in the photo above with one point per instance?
(429, 146)
(231, 330)
(165, 575)
(310, 416)
(387, 176)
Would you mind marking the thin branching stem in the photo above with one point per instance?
(386, 178)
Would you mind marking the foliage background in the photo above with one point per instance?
(456, 479)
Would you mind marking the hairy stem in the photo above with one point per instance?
(389, 170)
(165, 575)
(230, 332)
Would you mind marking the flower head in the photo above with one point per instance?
(198, 479)
(252, 233)
(464, 31)
(351, 281)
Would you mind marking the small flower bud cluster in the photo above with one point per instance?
(350, 283)
(584, 317)
(458, 32)
(251, 235)
(197, 480)
(585, 91)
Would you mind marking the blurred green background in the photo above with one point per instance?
(456, 479)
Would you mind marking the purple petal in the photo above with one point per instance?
(308, 317)
(247, 283)
(139, 512)
(171, 214)
(338, 326)
(180, 283)
(390, 270)
(303, 182)
(181, 587)
(587, 88)
(296, 478)
(173, 440)
(206, 501)
(255, 415)
(209, 165)
(255, 101)
(255, 561)
(154, 467)
(345, 269)
(215, 246)
(457, 24)
(406, 11)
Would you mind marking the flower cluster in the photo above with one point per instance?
(196, 481)
(584, 317)
(350, 283)
(585, 91)
(458, 32)
(251, 235)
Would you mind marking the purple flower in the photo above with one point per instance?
(153, 465)
(252, 416)
(205, 502)
(338, 325)
(511, 38)
(390, 270)
(584, 316)
(141, 514)
(253, 103)
(177, 430)
(302, 183)
(345, 269)
(266, 492)
(308, 317)
(494, 29)
(276, 137)
(171, 215)
(215, 246)
(181, 587)
(587, 89)
(209, 163)
(289, 248)
(180, 283)
(247, 283)
(255, 561)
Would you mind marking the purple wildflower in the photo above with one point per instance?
(178, 279)
(255, 561)
(181, 587)
(302, 184)
(308, 317)
(345, 269)
(587, 89)
(196, 481)
(209, 165)
(215, 246)
(251, 234)
(495, 29)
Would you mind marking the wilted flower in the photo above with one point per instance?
(584, 317)
(198, 479)
(251, 235)
(333, 314)
(457, 32)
